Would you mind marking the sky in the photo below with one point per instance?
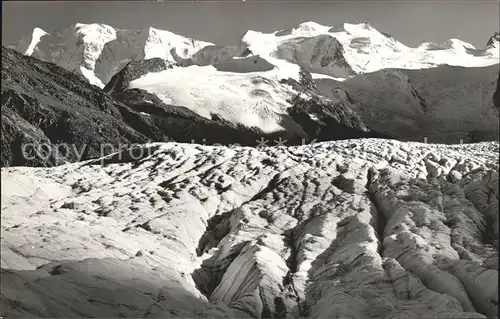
(224, 22)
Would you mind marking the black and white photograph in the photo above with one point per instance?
(285, 159)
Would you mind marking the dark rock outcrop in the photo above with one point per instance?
(322, 118)
(327, 121)
(133, 70)
(496, 95)
(494, 39)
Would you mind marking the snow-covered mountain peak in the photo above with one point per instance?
(98, 51)
(361, 48)
(37, 32)
(92, 28)
(27, 43)
(457, 44)
(359, 28)
(159, 43)
(85, 34)
(310, 26)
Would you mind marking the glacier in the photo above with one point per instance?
(364, 228)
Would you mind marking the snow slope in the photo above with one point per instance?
(98, 51)
(364, 228)
(245, 90)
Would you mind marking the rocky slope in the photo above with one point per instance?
(247, 86)
(44, 106)
(444, 104)
(494, 41)
(365, 228)
(496, 95)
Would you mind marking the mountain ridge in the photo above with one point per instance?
(103, 50)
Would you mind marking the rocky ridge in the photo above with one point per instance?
(44, 104)
(494, 41)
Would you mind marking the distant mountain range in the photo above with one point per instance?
(98, 51)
